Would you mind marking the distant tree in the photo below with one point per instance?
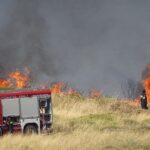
(131, 88)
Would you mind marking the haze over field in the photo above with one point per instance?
(88, 43)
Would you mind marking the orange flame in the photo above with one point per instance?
(147, 88)
(146, 83)
(5, 83)
(16, 80)
(20, 79)
(73, 92)
(95, 93)
(58, 88)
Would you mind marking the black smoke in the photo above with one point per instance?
(87, 43)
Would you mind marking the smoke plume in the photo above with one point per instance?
(88, 43)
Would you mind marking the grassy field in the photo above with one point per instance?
(89, 124)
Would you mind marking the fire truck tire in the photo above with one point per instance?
(31, 129)
(1, 132)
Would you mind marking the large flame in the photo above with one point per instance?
(16, 79)
(147, 88)
(146, 83)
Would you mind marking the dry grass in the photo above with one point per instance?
(89, 124)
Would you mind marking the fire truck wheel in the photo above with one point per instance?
(1, 132)
(31, 129)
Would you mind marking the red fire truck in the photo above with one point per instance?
(26, 111)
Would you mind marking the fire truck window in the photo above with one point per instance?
(47, 109)
(44, 105)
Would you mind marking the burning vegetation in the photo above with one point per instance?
(16, 79)
(21, 79)
(62, 89)
(146, 82)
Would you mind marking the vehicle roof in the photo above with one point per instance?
(28, 93)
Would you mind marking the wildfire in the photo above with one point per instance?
(147, 87)
(5, 83)
(16, 79)
(146, 82)
(135, 102)
(73, 92)
(94, 93)
(59, 88)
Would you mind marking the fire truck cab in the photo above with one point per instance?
(26, 112)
